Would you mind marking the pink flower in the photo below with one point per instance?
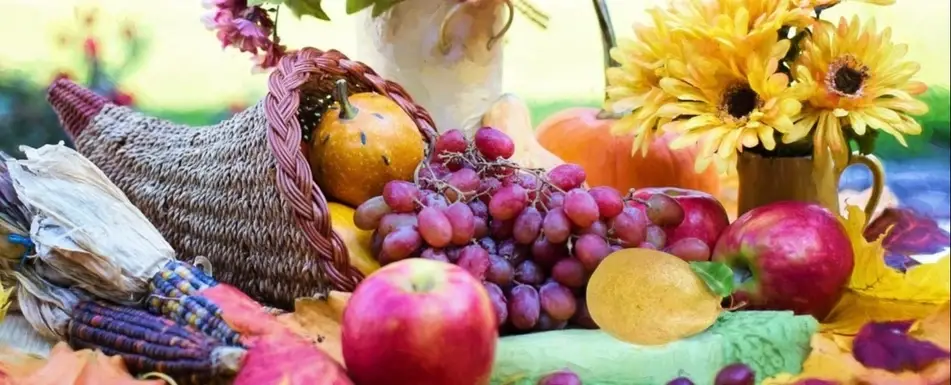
(246, 28)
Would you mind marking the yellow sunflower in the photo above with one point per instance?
(738, 26)
(729, 106)
(856, 79)
(634, 88)
(811, 4)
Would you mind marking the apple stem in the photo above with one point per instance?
(736, 306)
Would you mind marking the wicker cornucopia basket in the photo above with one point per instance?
(241, 192)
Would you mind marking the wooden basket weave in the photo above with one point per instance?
(240, 192)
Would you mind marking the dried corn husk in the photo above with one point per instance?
(87, 233)
(45, 305)
(14, 220)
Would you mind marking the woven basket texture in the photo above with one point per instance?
(240, 192)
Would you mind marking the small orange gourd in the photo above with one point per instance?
(583, 136)
(362, 142)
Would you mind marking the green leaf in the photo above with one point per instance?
(383, 6)
(253, 3)
(718, 277)
(301, 8)
(354, 6)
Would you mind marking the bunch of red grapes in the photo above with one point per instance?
(532, 236)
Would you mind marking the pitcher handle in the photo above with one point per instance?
(874, 165)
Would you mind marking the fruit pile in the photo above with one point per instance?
(532, 236)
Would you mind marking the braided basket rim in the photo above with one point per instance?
(294, 180)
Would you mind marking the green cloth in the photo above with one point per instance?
(770, 342)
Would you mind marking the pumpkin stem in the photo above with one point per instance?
(347, 111)
(608, 39)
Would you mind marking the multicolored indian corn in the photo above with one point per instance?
(150, 343)
(175, 295)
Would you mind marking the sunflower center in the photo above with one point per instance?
(847, 76)
(740, 100)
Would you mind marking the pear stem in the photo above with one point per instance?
(347, 111)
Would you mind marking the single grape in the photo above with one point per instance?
(489, 245)
(479, 209)
(582, 317)
(570, 272)
(630, 226)
(500, 271)
(434, 226)
(368, 214)
(598, 228)
(487, 187)
(656, 236)
(608, 200)
(680, 381)
(581, 207)
(547, 254)
(562, 377)
(567, 176)
(508, 202)
(689, 249)
(557, 301)
(646, 245)
(556, 226)
(735, 374)
(499, 171)
(400, 195)
(475, 260)
(465, 181)
(524, 307)
(391, 222)
(513, 252)
(546, 323)
(434, 254)
(555, 199)
(452, 141)
(616, 248)
(462, 222)
(481, 228)
(590, 250)
(500, 229)
(433, 199)
(401, 243)
(499, 303)
(664, 211)
(493, 144)
(528, 272)
(529, 182)
(527, 225)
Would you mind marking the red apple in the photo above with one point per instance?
(419, 322)
(788, 256)
(704, 216)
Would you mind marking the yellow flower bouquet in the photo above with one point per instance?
(765, 76)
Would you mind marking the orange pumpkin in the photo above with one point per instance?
(361, 143)
(578, 135)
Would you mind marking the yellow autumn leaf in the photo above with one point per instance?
(318, 320)
(826, 361)
(935, 328)
(878, 293)
(5, 293)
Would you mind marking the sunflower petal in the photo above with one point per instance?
(681, 90)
